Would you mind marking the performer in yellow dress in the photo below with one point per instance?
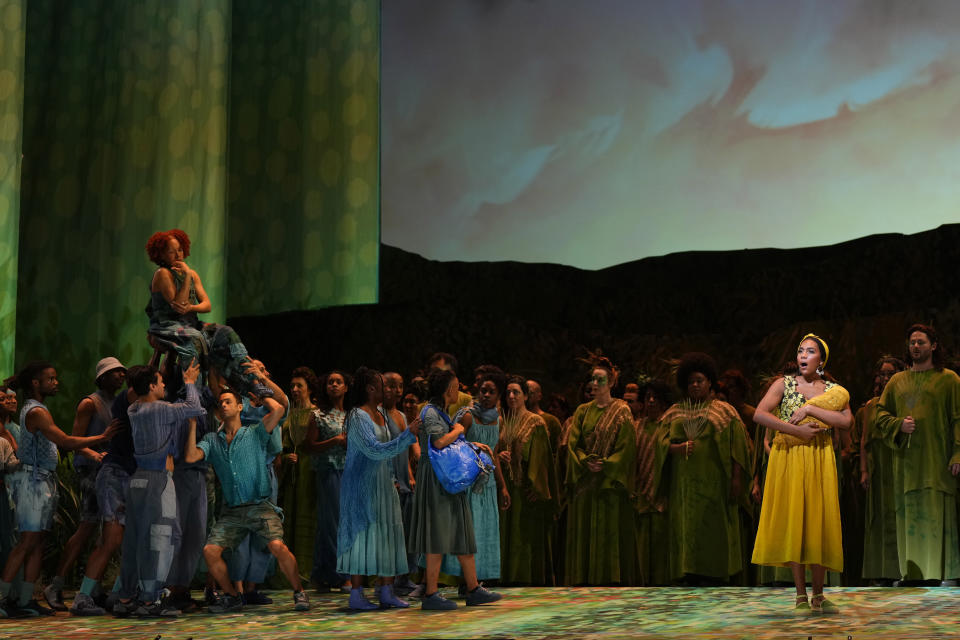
(800, 514)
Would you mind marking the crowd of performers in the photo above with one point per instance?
(206, 465)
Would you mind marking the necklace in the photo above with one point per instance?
(916, 383)
(694, 417)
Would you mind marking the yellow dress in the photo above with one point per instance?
(800, 514)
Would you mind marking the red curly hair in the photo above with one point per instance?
(157, 244)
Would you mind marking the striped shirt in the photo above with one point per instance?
(156, 426)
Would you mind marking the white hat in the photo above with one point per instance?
(107, 365)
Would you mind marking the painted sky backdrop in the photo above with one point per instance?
(595, 133)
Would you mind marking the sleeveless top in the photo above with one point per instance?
(161, 313)
(34, 448)
(98, 424)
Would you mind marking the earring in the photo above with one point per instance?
(820, 370)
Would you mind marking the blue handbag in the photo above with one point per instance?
(459, 464)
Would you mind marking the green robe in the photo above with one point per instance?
(705, 532)
(296, 491)
(924, 489)
(852, 498)
(528, 527)
(600, 542)
(880, 559)
(652, 518)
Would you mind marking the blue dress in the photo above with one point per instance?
(486, 514)
(370, 540)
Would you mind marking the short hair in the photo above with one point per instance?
(418, 387)
(323, 400)
(449, 358)
(140, 377)
(660, 390)
(931, 333)
(696, 362)
(437, 383)
(233, 392)
(313, 382)
(521, 381)
(157, 244)
(494, 374)
(736, 379)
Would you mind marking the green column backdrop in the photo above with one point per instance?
(12, 16)
(253, 126)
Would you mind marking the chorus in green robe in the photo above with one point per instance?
(601, 529)
(527, 528)
(297, 487)
(924, 488)
(852, 499)
(653, 559)
(880, 559)
(554, 430)
(705, 489)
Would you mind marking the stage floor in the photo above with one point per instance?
(551, 613)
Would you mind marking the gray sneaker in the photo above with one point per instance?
(300, 601)
(83, 605)
(54, 598)
(481, 595)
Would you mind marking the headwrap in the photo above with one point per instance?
(824, 349)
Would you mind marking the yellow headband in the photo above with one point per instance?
(822, 343)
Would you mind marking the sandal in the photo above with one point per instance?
(820, 604)
(802, 607)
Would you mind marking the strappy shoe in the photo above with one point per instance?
(801, 607)
(820, 604)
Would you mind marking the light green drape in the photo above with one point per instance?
(12, 20)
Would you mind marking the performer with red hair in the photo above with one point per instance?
(176, 297)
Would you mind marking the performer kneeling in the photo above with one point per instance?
(800, 515)
(237, 453)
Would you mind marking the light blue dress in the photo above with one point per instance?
(371, 540)
(486, 514)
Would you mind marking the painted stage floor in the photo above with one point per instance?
(551, 613)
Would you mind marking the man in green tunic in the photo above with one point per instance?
(919, 416)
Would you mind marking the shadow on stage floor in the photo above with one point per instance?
(552, 613)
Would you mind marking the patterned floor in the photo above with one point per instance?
(552, 613)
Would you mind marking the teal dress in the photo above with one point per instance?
(486, 514)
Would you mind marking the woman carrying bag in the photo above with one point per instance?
(442, 522)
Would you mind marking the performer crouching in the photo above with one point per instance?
(237, 453)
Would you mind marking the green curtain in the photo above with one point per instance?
(135, 114)
(304, 226)
(12, 20)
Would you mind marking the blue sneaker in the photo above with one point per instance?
(437, 602)
(359, 602)
(388, 598)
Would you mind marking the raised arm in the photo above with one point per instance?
(192, 453)
(274, 415)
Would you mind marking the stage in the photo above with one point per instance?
(551, 613)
